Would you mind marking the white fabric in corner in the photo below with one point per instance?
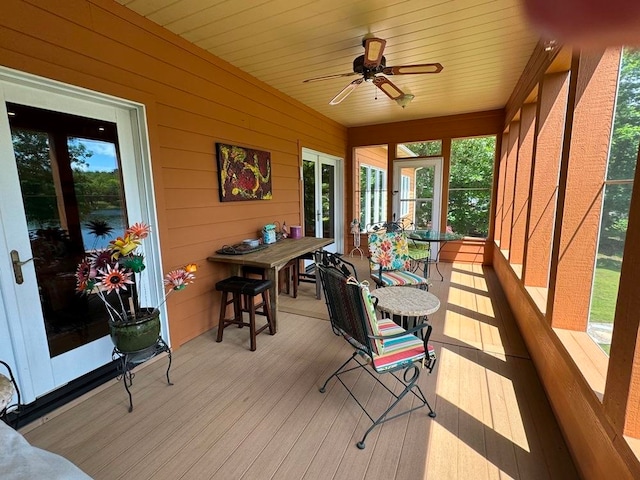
(20, 461)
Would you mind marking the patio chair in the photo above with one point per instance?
(379, 345)
(390, 263)
(419, 250)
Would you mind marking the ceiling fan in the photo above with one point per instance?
(373, 63)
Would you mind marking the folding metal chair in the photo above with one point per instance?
(380, 346)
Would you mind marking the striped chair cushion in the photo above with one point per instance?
(401, 277)
(371, 319)
(398, 352)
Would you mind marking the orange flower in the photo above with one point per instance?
(139, 230)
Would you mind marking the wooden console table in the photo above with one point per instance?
(273, 259)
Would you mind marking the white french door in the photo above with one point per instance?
(40, 323)
(322, 187)
(417, 192)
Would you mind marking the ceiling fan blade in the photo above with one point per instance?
(373, 48)
(327, 77)
(413, 69)
(388, 87)
(344, 93)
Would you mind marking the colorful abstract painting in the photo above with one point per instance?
(245, 173)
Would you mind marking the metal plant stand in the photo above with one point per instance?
(129, 360)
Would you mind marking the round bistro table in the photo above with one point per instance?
(406, 303)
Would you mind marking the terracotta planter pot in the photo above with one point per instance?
(138, 334)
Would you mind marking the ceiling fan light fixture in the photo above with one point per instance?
(404, 99)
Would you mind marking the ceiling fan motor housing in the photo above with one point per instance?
(368, 73)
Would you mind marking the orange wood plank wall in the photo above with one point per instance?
(192, 101)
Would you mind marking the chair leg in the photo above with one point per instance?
(221, 320)
(266, 310)
(338, 371)
(252, 322)
(237, 310)
(410, 377)
(409, 385)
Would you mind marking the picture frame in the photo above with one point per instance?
(244, 173)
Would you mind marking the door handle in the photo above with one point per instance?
(17, 266)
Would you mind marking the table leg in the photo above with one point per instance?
(272, 274)
(437, 259)
(318, 286)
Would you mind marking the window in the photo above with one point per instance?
(373, 195)
(405, 188)
(621, 167)
(419, 149)
(470, 181)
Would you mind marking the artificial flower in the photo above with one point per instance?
(84, 273)
(178, 279)
(135, 263)
(114, 271)
(139, 230)
(113, 278)
(122, 246)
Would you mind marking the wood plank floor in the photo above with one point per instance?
(236, 414)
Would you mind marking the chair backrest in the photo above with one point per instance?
(329, 259)
(389, 251)
(351, 309)
(384, 227)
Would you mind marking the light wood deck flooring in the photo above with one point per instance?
(235, 414)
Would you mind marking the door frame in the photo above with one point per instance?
(309, 154)
(16, 342)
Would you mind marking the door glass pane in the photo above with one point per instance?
(67, 182)
(328, 195)
(98, 190)
(309, 185)
(418, 187)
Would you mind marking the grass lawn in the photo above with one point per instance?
(605, 294)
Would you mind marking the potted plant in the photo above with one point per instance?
(111, 274)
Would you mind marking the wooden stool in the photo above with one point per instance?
(243, 291)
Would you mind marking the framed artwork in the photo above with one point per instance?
(244, 173)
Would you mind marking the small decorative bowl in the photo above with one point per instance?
(251, 242)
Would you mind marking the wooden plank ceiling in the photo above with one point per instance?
(483, 46)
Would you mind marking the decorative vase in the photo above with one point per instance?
(136, 334)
